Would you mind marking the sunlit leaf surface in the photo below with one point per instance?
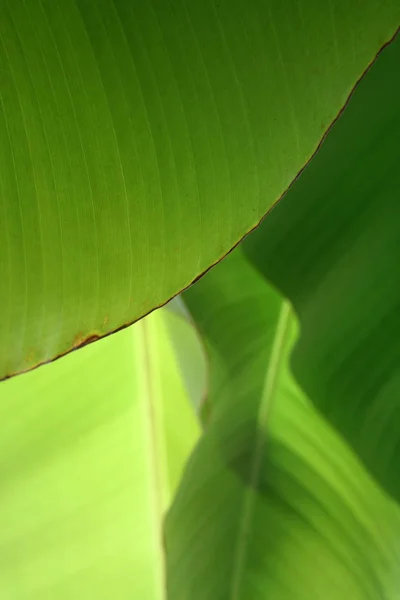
(92, 448)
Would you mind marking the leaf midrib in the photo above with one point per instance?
(156, 471)
(271, 377)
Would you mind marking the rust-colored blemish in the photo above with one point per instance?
(91, 338)
(81, 340)
(78, 339)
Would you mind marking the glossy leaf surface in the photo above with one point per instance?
(141, 140)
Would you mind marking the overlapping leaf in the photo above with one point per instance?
(273, 503)
(92, 447)
(141, 140)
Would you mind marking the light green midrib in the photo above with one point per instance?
(269, 386)
(153, 453)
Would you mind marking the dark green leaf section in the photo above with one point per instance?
(332, 246)
(139, 141)
(273, 504)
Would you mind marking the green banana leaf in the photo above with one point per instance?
(92, 447)
(332, 246)
(141, 140)
(273, 503)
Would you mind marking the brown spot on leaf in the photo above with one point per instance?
(80, 340)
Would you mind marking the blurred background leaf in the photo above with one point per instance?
(92, 447)
(189, 351)
(273, 503)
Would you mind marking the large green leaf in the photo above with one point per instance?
(333, 246)
(141, 140)
(92, 447)
(273, 504)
